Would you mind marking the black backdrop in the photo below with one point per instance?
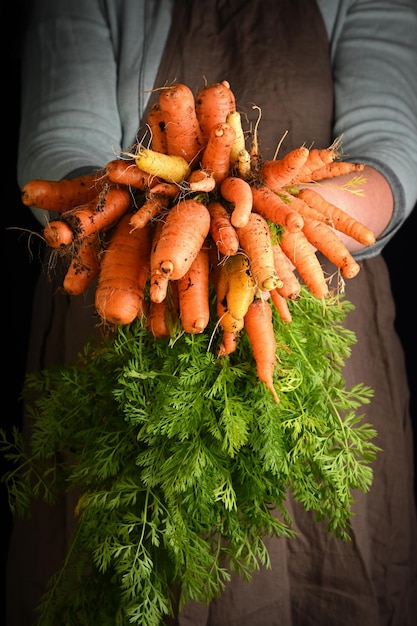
(20, 258)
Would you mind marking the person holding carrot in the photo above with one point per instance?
(319, 72)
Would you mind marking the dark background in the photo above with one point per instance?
(20, 248)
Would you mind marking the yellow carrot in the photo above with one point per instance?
(169, 167)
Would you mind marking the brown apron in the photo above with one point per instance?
(277, 53)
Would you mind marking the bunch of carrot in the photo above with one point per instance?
(162, 226)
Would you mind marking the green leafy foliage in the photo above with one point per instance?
(183, 462)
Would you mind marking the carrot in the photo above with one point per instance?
(159, 283)
(279, 173)
(193, 293)
(336, 168)
(61, 195)
(213, 103)
(182, 130)
(281, 305)
(239, 192)
(328, 243)
(291, 287)
(317, 158)
(228, 344)
(170, 167)
(227, 322)
(124, 271)
(255, 240)
(272, 207)
(182, 234)
(126, 172)
(234, 119)
(240, 285)
(216, 155)
(294, 201)
(99, 215)
(243, 165)
(58, 234)
(260, 331)
(151, 208)
(220, 278)
(336, 217)
(156, 124)
(201, 181)
(84, 266)
(156, 321)
(163, 316)
(302, 255)
(221, 230)
(169, 190)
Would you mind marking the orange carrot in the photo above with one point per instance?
(126, 172)
(281, 305)
(163, 316)
(336, 168)
(193, 292)
(295, 202)
(260, 330)
(302, 255)
(61, 195)
(272, 207)
(201, 181)
(336, 217)
(281, 172)
(182, 130)
(58, 234)
(84, 266)
(221, 230)
(213, 103)
(156, 321)
(328, 243)
(151, 208)
(255, 240)
(169, 190)
(216, 155)
(239, 192)
(182, 234)
(317, 158)
(97, 216)
(228, 344)
(291, 287)
(159, 283)
(156, 124)
(124, 271)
